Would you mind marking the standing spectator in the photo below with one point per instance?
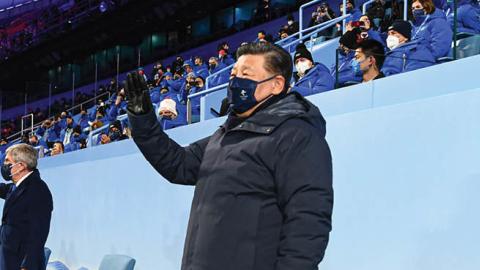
(261, 36)
(67, 133)
(225, 58)
(431, 27)
(310, 77)
(468, 17)
(83, 119)
(369, 58)
(405, 55)
(177, 64)
(324, 14)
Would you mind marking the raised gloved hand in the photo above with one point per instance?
(138, 94)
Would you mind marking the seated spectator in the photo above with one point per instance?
(141, 72)
(215, 67)
(168, 115)
(468, 17)
(292, 26)
(104, 138)
(200, 68)
(368, 32)
(76, 140)
(187, 67)
(177, 64)
(57, 149)
(67, 133)
(431, 28)
(115, 132)
(157, 78)
(156, 68)
(346, 50)
(225, 58)
(376, 11)
(83, 119)
(263, 37)
(49, 131)
(405, 55)
(369, 58)
(310, 77)
(36, 142)
(351, 9)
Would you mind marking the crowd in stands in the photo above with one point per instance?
(371, 47)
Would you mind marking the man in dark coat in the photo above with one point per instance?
(26, 212)
(263, 197)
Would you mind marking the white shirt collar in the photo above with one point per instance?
(23, 178)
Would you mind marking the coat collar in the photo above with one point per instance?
(19, 191)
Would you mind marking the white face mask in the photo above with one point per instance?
(290, 22)
(302, 67)
(392, 42)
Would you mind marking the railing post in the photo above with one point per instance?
(344, 13)
(405, 6)
(189, 111)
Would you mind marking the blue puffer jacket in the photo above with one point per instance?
(407, 57)
(227, 60)
(318, 79)
(468, 17)
(219, 78)
(201, 71)
(50, 134)
(345, 70)
(356, 14)
(375, 35)
(434, 31)
(195, 101)
(175, 85)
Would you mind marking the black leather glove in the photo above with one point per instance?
(138, 94)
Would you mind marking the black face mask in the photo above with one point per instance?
(114, 135)
(7, 171)
(241, 93)
(212, 66)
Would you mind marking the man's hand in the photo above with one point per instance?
(138, 94)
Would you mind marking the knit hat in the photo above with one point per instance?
(168, 104)
(302, 52)
(402, 27)
(116, 124)
(349, 40)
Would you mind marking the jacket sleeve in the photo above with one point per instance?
(179, 165)
(441, 38)
(39, 226)
(471, 19)
(112, 113)
(303, 176)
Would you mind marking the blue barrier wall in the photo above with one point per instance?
(406, 177)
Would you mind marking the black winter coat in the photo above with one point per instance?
(263, 198)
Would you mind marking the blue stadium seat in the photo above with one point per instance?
(56, 265)
(117, 262)
(469, 46)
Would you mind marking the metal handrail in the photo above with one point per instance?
(364, 7)
(216, 73)
(319, 27)
(405, 13)
(300, 14)
(52, 117)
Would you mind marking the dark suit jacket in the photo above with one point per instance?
(25, 224)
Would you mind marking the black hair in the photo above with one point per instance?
(277, 60)
(262, 32)
(375, 49)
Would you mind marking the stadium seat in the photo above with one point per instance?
(56, 265)
(469, 46)
(117, 262)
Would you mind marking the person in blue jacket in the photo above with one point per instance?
(431, 28)
(200, 68)
(351, 9)
(171, 113)
(49, 131)
(310, 77)
(214, 67)
(368, 31)
(348, 45)
(405, 55)
(468, 17)
(83, 119)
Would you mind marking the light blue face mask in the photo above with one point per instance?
(356, 66)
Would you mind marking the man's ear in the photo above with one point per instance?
(278, 84)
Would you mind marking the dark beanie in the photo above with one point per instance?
(302, 52)
(402, 27)
(349, 40)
